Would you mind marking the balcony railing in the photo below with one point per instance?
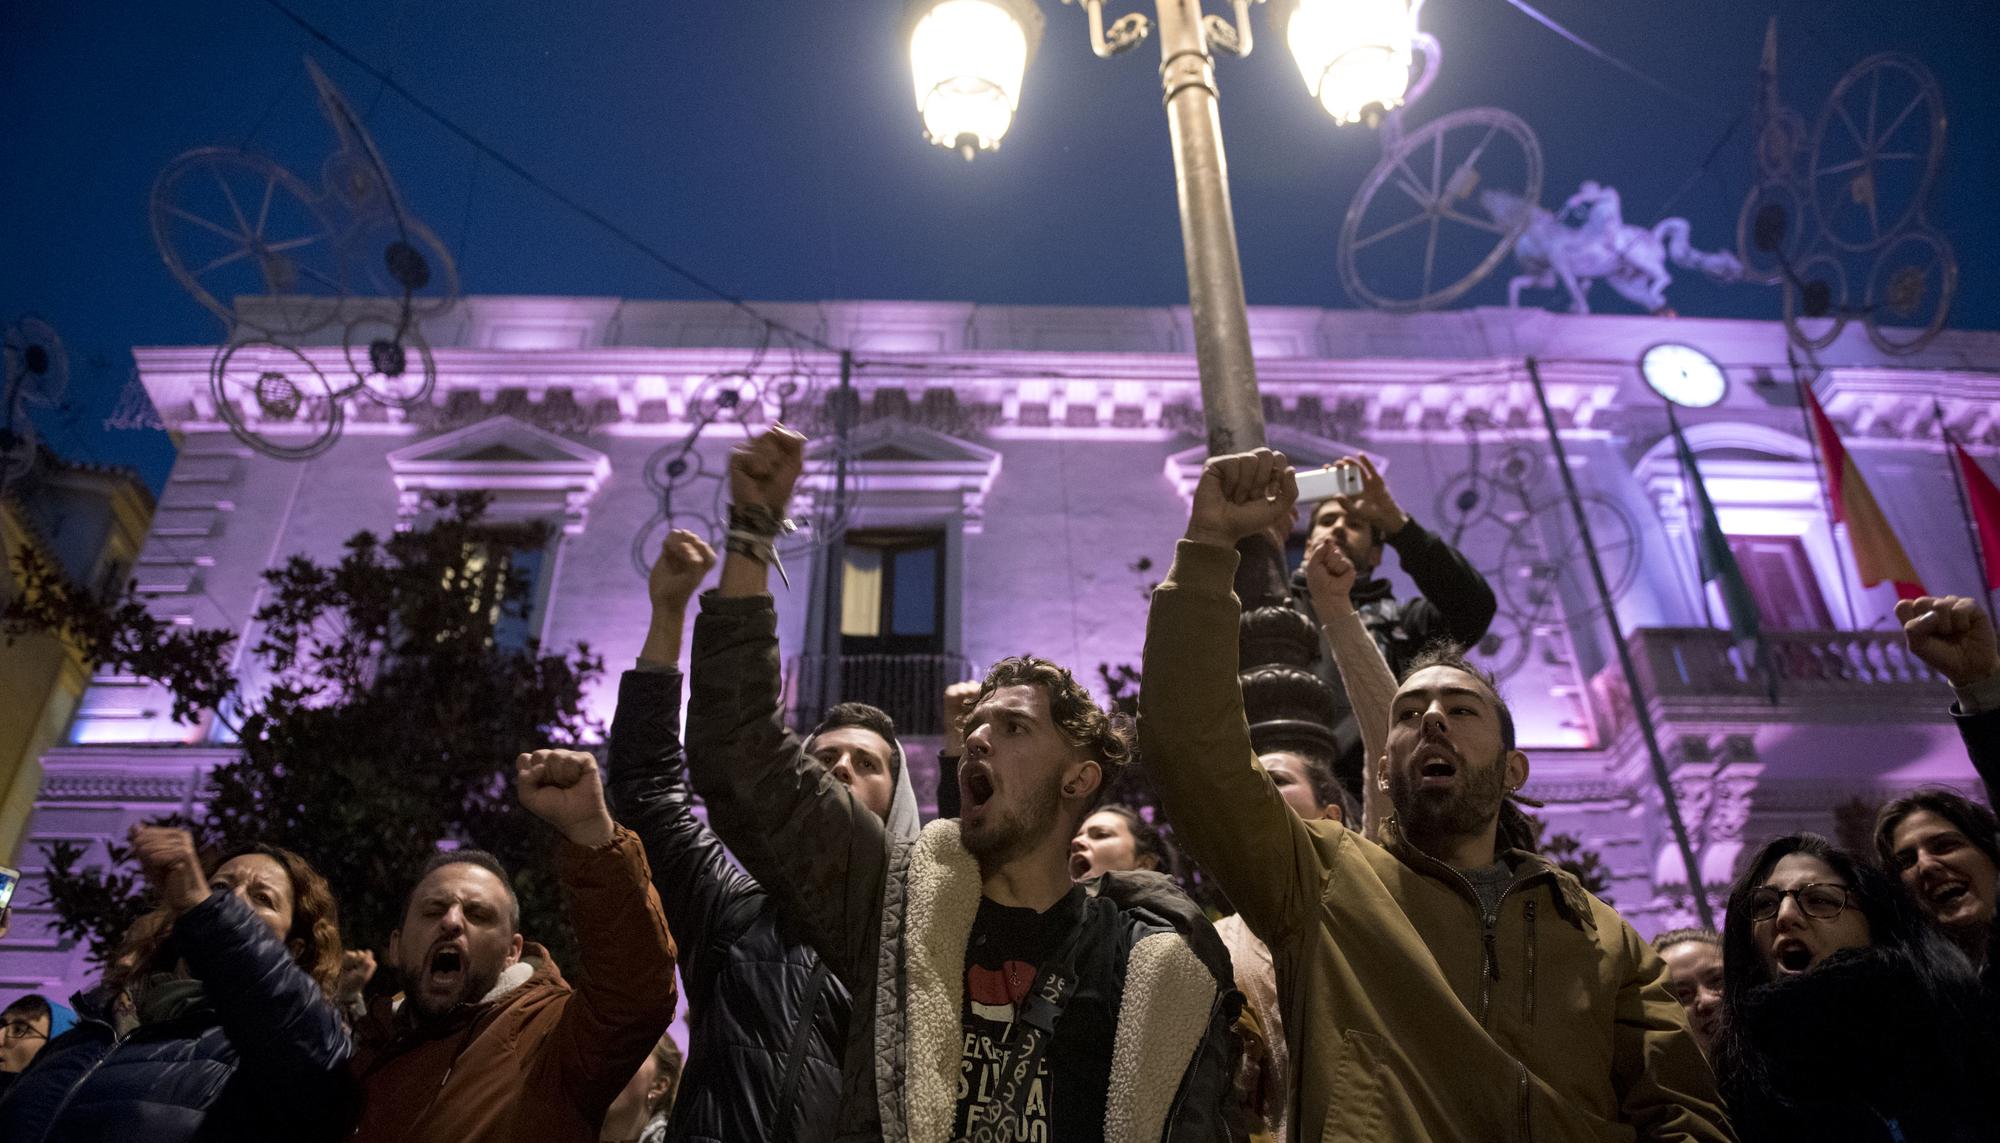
(909, 687)
(1701, 662)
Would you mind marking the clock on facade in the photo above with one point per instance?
(1684, 375)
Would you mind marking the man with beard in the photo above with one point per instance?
(994, 998)
(1435, 985)
(488, 1042)
(1454, 602)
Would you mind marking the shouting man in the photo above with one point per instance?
(994, 998)
(1435, 985)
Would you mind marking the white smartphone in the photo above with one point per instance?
(1328, 481)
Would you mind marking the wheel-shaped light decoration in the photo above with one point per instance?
(1543, 559)
(1418, 234)
(232, 225)
(967, 59)
(1875, 151)
(396, 257)
(1769, 231)
(1504, 648)
(1684, 375)
(733, 398)
(674, 468)
(1818, 303)
(388, 360)
(1779, 144)
(275, 400)
(17, 446)
(1910, 291)
(37, 363)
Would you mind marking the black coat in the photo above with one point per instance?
(1982, 744)
(257, 1056)
(1860, 1049)
(760, 1006)
(1456, 603)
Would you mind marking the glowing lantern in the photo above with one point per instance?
(1355, 55)
(967, 58)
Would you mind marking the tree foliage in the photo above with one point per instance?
(377, 715)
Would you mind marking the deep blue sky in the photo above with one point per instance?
(774, 148)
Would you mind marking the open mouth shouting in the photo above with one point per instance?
(1079, 864)
(1437, 765)
(445, 971)
(975, 787)
(1946, 898)
(1793, 956)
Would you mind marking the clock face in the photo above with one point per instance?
(1684, 375)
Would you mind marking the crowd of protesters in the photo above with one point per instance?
(1401, 965)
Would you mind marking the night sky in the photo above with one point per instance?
(774, 148)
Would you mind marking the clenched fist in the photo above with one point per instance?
(958, 700)
(1329, 577)
(1240, 495)
(763, 470)
(685, 560)
(1953, 635)
(564, 789)
(171, 865)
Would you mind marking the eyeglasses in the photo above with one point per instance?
(22, 1030)
(1818, 900)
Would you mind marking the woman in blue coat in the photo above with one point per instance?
(215, 1022)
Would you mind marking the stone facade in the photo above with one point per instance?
(1051, 452)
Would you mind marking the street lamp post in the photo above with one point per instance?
(969, 58)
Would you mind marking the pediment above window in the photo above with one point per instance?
(529, 472)
(903, 474)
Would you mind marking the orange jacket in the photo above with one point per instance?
(540, 1061)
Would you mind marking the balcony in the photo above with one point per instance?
(909, 687)
(1701, 665)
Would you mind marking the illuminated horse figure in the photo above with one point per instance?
(1590, 240)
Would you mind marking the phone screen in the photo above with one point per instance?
(9, 878)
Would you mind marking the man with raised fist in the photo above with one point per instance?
(994, 998)
(489, 1042)
(1435, 984)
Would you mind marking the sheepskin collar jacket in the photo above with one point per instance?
(892, 918)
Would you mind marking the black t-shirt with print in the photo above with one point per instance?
(1007, 948)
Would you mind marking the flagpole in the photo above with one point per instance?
(1825, 493)
(1980, 557)
(1694, 532)
(1640, 709)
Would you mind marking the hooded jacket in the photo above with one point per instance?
(249, 1049)
(536, 1060)
(767, 1021)
(892, 917)
(1408, 1015)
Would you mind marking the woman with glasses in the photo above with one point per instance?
(1846, 1015)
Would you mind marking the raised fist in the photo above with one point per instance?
(564, 789)
(958, 700)
(1240, 495)
(168, 859)
(763, 470)
(685, 560)
(1329, 577)
(1953, 634)
(357, 968)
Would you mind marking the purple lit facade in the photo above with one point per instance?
(1044, 455)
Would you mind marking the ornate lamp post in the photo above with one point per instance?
(968, 58)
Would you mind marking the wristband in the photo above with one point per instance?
(753, 546)
(758, 522)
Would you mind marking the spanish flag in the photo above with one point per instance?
(1878, 555)
(1983, 500)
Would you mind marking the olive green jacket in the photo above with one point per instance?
(1407, 1017)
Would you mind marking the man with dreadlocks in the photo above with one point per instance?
(1439, 983)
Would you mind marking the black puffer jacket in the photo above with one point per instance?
(1860, 1049)
(249, 1050)
(766, 1020)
